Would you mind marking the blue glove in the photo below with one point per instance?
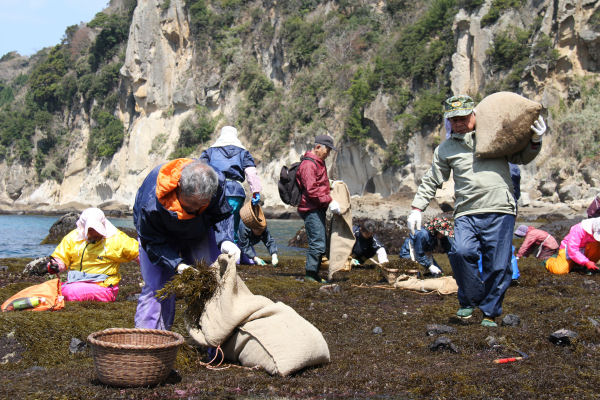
(255, 198)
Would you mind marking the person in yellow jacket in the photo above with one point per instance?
(93, 253)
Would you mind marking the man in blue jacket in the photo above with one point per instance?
(181, 217)
(250, 237)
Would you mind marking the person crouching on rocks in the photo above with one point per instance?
(249, 237)
(367, 245)
(435, 234)
(580, 248)
(92, 253)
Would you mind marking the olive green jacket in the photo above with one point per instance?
(481, 185)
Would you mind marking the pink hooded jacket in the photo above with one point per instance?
(579, 236)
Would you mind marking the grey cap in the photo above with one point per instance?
(325, 140)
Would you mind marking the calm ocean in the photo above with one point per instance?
(20, 235)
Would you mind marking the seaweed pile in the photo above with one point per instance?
(195, 286)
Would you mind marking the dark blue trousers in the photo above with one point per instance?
(314, 223)
(491, 235)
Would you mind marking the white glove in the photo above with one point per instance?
(274, 259)
(538, 128)
(414, 220)
(228, 247)
(182, 267)
(516, 258)
(382, 255)
(434, 270)
(355, 262)
(334, 207)
(259, 261)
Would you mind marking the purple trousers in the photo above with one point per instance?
(152, 313)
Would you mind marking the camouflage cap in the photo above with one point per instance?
(440, 224)
(457, 106)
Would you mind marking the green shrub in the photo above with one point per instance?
(115, 30)
(165, 5)
(303, 39)
(46, 78)
(6, 94)
(106, 137)
(9, 56)
(255, 83)
(360, 95)
(194, 131)
(496, 9)
(470, 5)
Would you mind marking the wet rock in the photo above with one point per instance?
(437, 329)
(60, 228)
(492, 342)
(330, 289)
(377, 330)
(133, 297)
(562, 337)
(443, 343)
(511, 320)
(77, 346)
(3, 268)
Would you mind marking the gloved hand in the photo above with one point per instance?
(538, 128)
(334, 207)
(228, 247)
(259, 261)
(591, 266)
(182, 267)
(274, 259)
(517, 258)
(38, 267)
(355, 262)
(414, 220)
(434, 270)
(53, 267)
(255, 199)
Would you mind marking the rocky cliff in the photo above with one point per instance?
(169, 70)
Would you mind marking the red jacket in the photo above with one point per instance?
(314, 184)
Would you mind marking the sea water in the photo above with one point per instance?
(21, 235)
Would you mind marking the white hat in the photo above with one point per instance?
(592, 226)
(94, 218)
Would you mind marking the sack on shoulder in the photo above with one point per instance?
(42, 297)
(504, 122)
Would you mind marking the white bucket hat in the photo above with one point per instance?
(94, 218)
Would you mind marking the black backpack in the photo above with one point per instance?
(289, 190)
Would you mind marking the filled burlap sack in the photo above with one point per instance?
(443, 285)
(341, 240)
(255, 331)
(504, 122)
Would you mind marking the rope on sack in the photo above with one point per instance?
(218, 367)
(365, 286)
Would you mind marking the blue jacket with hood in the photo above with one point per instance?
(164, 236)
(232, 161)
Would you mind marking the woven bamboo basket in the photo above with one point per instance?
(390, 274)
(253, 216)
(134, 357)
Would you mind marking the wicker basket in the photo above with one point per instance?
(134, 357)
(253, 216)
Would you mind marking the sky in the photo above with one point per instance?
(27, 26)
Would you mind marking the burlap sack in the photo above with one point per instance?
(341, 238)
(254, 330)
(443, 285)
(504, 122)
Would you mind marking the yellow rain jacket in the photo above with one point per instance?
(102, 257)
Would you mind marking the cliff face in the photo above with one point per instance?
(166, 74)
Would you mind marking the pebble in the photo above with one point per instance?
(511, 320)
(377, 330)
(443, 343)
(330, 289)
(437, 329)
(345, 316)
(562, 337)
(77, 346)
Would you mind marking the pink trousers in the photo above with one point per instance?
(89, 291)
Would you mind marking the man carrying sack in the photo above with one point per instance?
(484, 210)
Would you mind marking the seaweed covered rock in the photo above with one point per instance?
(61, 228)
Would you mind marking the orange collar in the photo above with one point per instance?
(166, 184)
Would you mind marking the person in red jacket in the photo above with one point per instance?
(314, 186)
(537, 242)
